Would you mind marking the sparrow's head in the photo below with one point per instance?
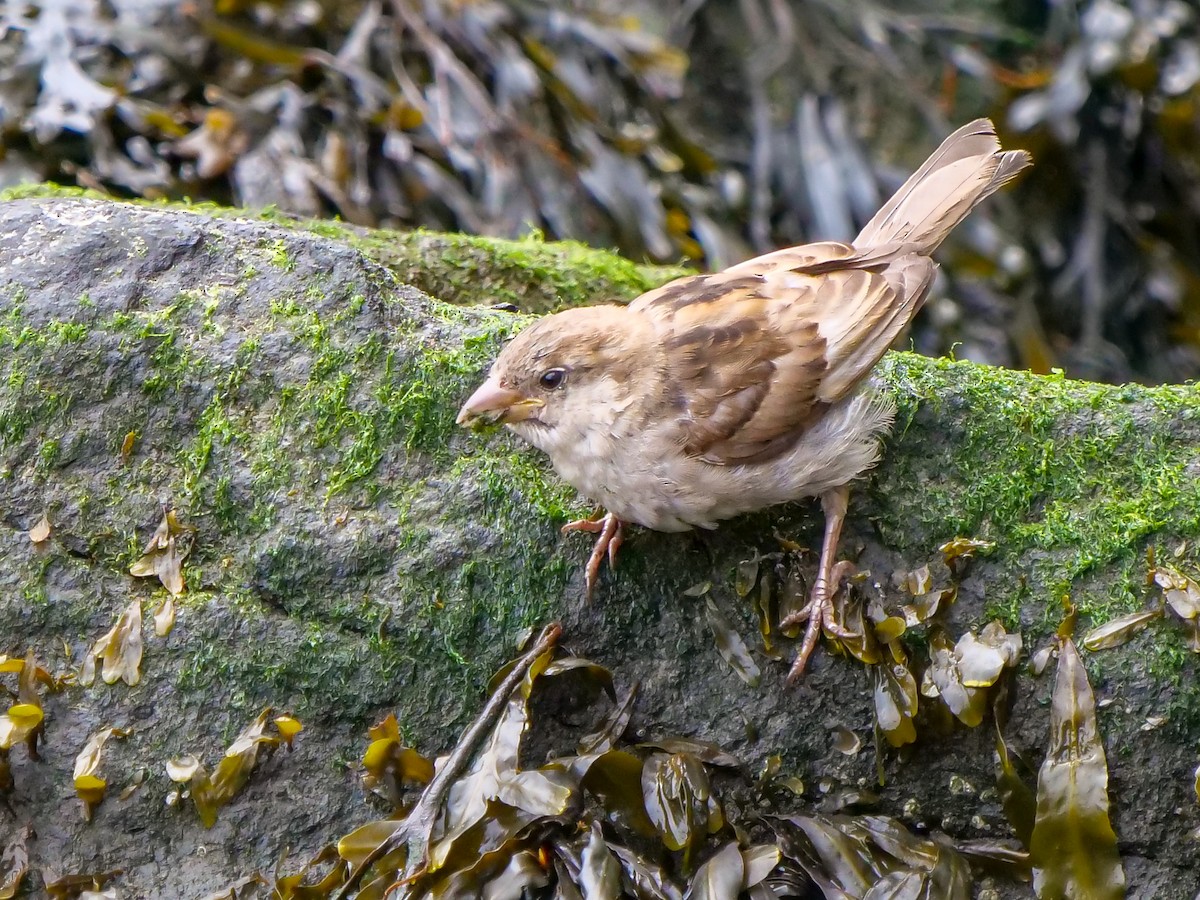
(562, 368)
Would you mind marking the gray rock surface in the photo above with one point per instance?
(357, 554)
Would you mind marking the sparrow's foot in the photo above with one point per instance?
(611, 534)
(819, 609)
(819, 613)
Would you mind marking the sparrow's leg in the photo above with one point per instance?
(819, 609)
(611, 531)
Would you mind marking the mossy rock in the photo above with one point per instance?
(358, 554)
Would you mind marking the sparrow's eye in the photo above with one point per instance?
(553, 378)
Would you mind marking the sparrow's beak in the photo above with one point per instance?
(493, 404)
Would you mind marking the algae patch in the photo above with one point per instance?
(1068, 478)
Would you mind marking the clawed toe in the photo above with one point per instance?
(611, 534)
(818, 612)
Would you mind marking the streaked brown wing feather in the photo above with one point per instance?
(758, 351)
(755, 358)
(810, 258)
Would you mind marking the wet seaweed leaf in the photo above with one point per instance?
(942, 677)
(730, 644)
(890, 628)
(1066, 628)
(614, 777)
(1073, 847)
(900, 885)
(168, 566)
(355, 846)
(120, 649)
(895, 702)
(565, 887)
(40, 533)
(127, 445)
(873, 857)
(676, 793)
(21, 723)
(164, 616)
(14, 863)
(926, 604)
(848, 861)
(950, 877)
(746, 576)
(613, 727)
(163, 554)
(1118, 631)
(961, 548)
(24, 720)
(468, 798)
(982, 659)
(960, 675)
(1041, 657)
(599, 871)
(390, 765)
(89, 786)
(720, 877)
(1181, 592)
(210, 793)
(1018, 801)
(919, 581)
(548, 792)
(997, 856)
(288, 727)
(233, 771)
(190, 771)
(649, 881)
(893, 838)
(763, 612)
(849, 612)
(520, 876)
(598, 673)
(300, 887)
(705, 751)
(758, 861)
(135, 783)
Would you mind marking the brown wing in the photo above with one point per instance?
(755, 358)
(759, 350)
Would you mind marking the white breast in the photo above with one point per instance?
(624, 469)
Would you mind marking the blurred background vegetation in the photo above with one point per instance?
(671, 130)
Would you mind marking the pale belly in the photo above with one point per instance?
(677, 493)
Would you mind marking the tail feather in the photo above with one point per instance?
(965, 169)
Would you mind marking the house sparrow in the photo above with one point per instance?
(722, 394)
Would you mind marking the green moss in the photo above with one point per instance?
(48, 455)
(532, 274)
(278, 255)
(67, 332)
(1072, 481)
(1069, 478)
(33, 582)
(214, 428)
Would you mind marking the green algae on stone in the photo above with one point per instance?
(1072, 476)
(357, 552)
(532, 274)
